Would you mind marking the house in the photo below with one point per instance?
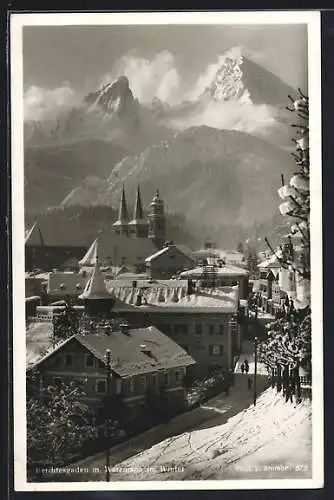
(167, 262)
(61, 285)
(233, 257)
(202, 321)
(219, 276)
(34, 283)
(209, 251)
(53, 246)
(142, 360)
(213, 255)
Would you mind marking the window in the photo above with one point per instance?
(198, 329)
(57, 381)
(221, 330)
(142, 384)
(166, 378)
(127, 385)
(181, 329)
(101, 386)
(216, 350)
(177, 377)
(90, 361)
(211, 329)
(101, 364)
(57, 361)
(68, 359)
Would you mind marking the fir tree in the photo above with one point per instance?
(58, 425)
(252, 262)
(288, 344)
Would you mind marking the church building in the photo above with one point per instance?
(133, 240)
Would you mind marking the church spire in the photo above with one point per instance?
(121, 225)
(138, 212)
(123, 210)
(138, 226)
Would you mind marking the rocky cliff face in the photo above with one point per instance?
(239, 78)
(210, 176)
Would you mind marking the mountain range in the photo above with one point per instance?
(216, 158)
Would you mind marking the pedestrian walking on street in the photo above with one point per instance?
(242, 367)
(249, 383)
(246, 366)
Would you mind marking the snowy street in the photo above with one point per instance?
(215, 412)
(248, 353)
(271, 440)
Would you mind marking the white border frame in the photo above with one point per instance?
(17, 21)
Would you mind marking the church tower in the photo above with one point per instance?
(138, 226)
(157, 222)
(121, 226)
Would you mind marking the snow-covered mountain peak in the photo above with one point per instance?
(238, 78)
(115, 97)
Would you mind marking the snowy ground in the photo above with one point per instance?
(270, 440)
(248, 353)
(38, 339)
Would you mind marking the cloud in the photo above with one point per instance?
(160, 77)
(42, 104)
(234, 115)
(149, 78)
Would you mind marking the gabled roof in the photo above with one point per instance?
(61, 233)
(128, 355)
(116, 249)
(272, 262)
(166, 250)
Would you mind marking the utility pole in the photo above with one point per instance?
(255, 367)
(107, 421)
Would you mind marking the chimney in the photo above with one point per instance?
(108, 330)
(138, 301)
(190, 287)
(124, 327)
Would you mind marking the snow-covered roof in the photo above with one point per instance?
(174, 297)
(168, 249)
(95, 287)
(128, 356)
(60, 283)
(225, 270)
(114, 250)
(61, 233)
(272, 261)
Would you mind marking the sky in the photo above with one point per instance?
(63, 63)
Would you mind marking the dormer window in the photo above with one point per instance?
(68, 359)
(90, 361)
